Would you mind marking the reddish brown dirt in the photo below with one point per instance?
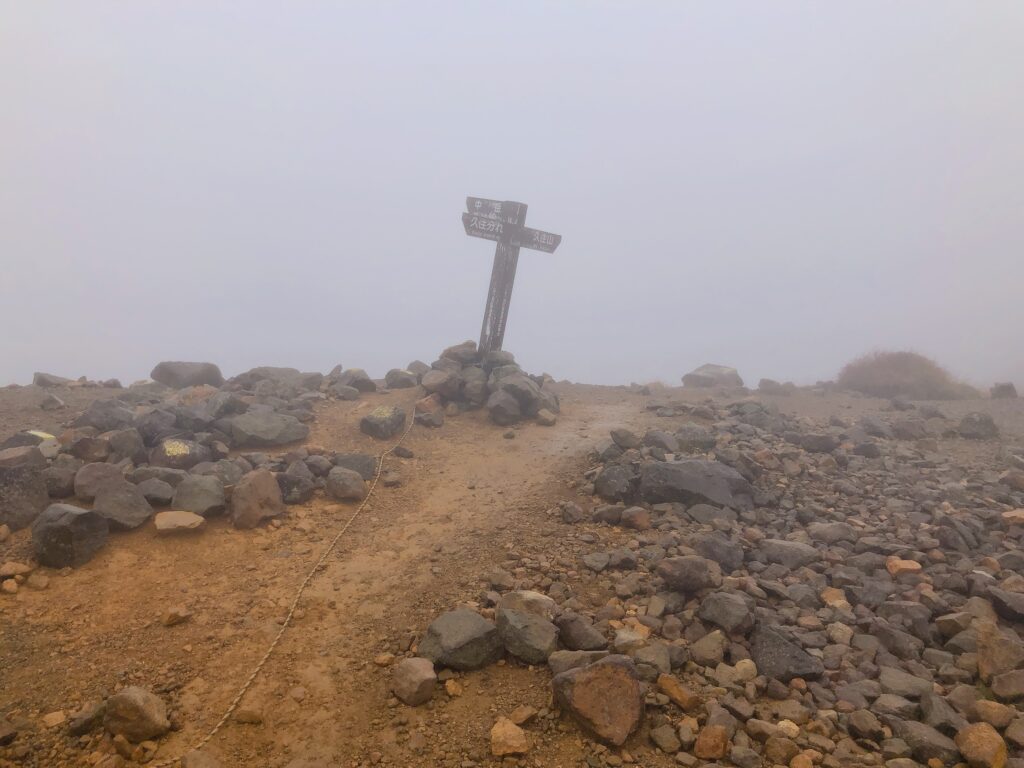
(470, 500)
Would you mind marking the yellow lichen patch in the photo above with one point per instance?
(176, 448)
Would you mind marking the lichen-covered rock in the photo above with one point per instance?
(383, 422)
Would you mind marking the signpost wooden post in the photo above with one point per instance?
(503, 222)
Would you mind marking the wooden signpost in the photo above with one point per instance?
(504, 223)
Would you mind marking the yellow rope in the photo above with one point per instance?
(295, 603)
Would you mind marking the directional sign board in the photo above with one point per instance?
(506, 210)
(482, 226)
(525, 237)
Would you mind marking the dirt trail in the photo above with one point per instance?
(467, 498)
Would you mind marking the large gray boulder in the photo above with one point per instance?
(526, 392)
(136, 714)
(23, 495)
(363, 463)
(690, 574)
(123, 504)
(729, 610)
(503, 408)
(106, 415)
(383, 422)
(692, 481)
(461, 639)
(265, 429)
(49, 380)
(180, 375)
(711, 375)
(67, 536)
(358, 379)
(792, 554)
(978, 426)
(398, 378)
(615, 483)
(91, 477)
(445, 383)
(1003, 391)
(527, 636)
(200, 494)
(464, 353)
(779, 657)
(345, 484)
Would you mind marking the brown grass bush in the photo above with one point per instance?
(902, 374)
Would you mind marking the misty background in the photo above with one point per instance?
(775, 186)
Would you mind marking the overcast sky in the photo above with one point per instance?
(776, 186)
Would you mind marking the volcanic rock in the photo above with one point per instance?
(711, 375)
(978, 426)
(179, 375)
(604, 698)
(413, 681)
(136, 714)
(265, 429)
(200, 494)
(23, 495)
(358, 379)
(178, 454)
(256, 497)
(692, 481)
(122, 504)
(527, 636)
(345, 484)
(780, 658)
(690, 573)
(383, 422)
(461, 639)
(64, 535)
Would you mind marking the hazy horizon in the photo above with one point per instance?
(780, 188)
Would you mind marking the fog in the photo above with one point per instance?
(775, 186)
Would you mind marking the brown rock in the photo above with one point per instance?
(22, 456)
(982, 746)
(1013, 517)
(603, 697)
(507, 738)
(995, 714)
(136, 714)
(898, 567)
(178, 521)
(256, 497)
(996, 654)
(1013, 478)
(779, 749)
(522, 714)
(678, 693)
(712, 742)
(413, 681)
(179, 614)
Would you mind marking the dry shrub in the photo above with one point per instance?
(902, 374)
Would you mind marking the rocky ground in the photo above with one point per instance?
(649, 576)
